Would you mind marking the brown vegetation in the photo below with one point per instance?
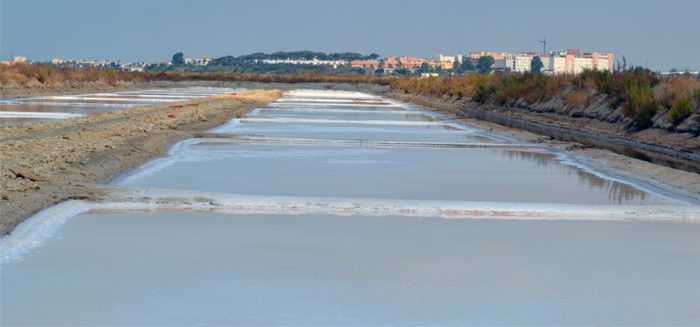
(639, 93)
(25, 74)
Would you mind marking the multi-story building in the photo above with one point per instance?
(364, 64)
(558, 64)
(576, 62)
(411, 62)
(546, 63)
(440, 57)
(600, 60)
(581, 64)
(474, 56)
(522, 63)
(506, 64)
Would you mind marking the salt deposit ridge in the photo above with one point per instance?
(326, 206)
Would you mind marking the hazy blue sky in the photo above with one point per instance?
(660, 34)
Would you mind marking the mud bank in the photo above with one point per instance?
(658, 146)
(48, 162)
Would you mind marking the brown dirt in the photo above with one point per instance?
(49, 162)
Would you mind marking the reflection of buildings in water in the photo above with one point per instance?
(540, 159)
(617, 192)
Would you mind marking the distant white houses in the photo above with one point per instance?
(315, 62)
(201, 61)
(15, 60)
(571, 61)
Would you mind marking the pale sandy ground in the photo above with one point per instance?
(49, 162)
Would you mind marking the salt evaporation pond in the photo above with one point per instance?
(54, 107)
(223, 264)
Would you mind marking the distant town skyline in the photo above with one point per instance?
(656, 35)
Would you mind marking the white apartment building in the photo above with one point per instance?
(558, 64)
(506, 64)
(440, 57)
(571, 61)
(581, 64)
(522, 63)
(546, 63)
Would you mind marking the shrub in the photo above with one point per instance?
(681, 109)
(577, 98)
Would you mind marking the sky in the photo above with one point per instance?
(655, 34)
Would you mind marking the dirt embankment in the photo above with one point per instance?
(592, 127)
(17, 90)
(49, 162)
(34, 87)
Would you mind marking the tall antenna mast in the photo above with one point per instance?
(544, 46)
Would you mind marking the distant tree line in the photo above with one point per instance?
(251, 63)
(301, 55)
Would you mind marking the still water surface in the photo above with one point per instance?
(171, 267)
(53, 107)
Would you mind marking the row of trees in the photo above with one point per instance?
(179, 58)
(250, 64)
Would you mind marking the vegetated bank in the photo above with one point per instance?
(20, 78)
(633, 112)
(48, 162)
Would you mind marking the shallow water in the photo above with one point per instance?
(217, 269)
(44, 107)
(394, 173)
(343, 166)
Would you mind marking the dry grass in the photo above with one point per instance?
(577, 98)
(22, 73)
(637, 92)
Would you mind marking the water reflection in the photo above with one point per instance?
(617, 192)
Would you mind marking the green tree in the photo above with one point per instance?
(178, 59)
(536, 65)
(484, 64)
(457, 67)
(424, 68)
(467, 65)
